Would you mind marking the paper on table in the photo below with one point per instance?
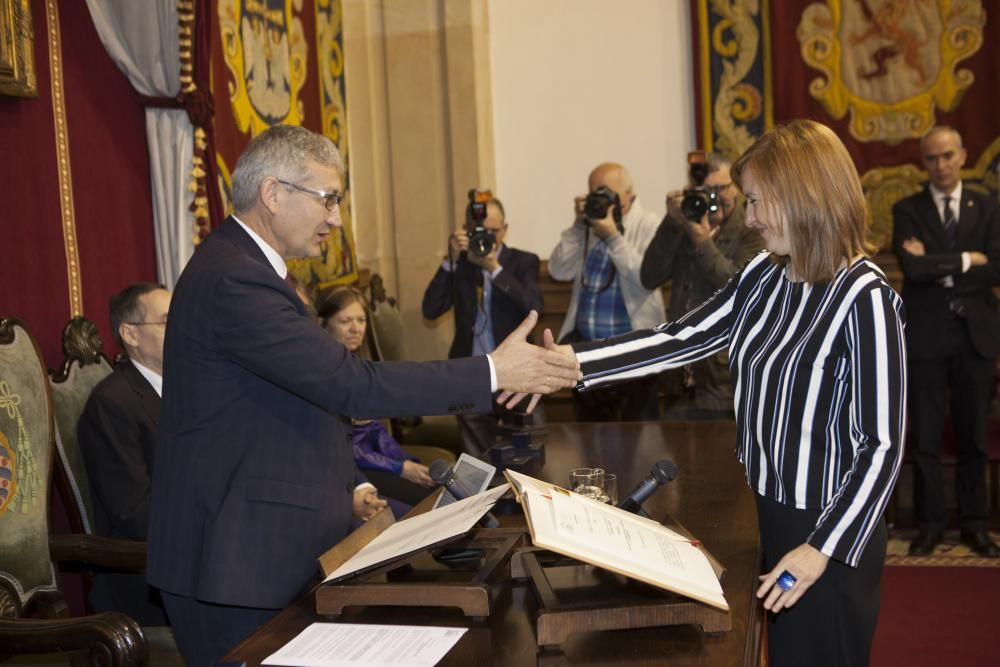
(421, 531)
(336, 644)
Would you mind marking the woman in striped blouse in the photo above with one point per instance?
(816, 348)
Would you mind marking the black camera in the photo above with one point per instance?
(698, 199)
(597, 204)
(481, 240)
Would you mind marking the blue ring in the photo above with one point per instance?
(786, 581)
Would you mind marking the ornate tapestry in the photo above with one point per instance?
(281, 62)
(879, 72)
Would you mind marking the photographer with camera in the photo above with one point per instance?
(601, 252)
(492, 287)
(701, 243)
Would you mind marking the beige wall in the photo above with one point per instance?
(444, 95)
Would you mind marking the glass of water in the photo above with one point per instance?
(588, 482)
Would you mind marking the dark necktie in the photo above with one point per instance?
(950, 223)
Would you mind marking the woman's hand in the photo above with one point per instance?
(416, 473)
(805, 563)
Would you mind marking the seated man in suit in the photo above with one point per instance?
(491, 294)
(255, 474)
(117, 436)
(947, 239)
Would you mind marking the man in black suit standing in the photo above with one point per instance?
(491, 295)
(947, 239)
(117, 436)
(255, 474)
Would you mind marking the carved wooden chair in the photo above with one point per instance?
(27, 577)
(83, 367)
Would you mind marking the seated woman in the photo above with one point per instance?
(396, 474)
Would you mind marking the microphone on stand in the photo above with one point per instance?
(444, 475)
(663, 472)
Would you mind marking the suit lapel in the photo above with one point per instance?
(931, 220)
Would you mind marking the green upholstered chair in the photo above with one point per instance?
(27, 576)
(428, 438)
(83, 367)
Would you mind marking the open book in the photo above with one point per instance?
(423, 531)
(616, 540)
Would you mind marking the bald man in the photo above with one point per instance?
(603, 257)
(947, 239)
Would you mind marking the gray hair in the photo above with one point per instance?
(938, 129)
(717, 161)
(281, 151)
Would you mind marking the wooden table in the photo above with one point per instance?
(710, 497)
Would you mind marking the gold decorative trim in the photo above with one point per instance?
(17, 50)
(66, 208)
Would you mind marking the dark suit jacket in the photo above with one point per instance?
(926, 299)
(515, 292)
(117, 436)
(117, 433)
(255, 474)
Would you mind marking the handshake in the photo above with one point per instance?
(524, 369)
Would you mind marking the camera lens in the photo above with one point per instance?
(481, 242)
(694, 205)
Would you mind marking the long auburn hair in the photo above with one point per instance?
(811, 193)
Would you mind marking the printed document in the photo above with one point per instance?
(616, 540)
(349, 645)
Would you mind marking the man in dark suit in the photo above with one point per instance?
(255, 474)
(491, 295)
(947, 238)
(117, 436)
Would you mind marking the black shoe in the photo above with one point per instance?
(980, 542)
(925, 541)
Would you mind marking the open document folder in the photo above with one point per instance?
(422, 531)
(616, 540)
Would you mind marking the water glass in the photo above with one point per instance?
(587, 482)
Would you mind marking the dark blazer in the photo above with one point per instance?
(117, 433)
(117, 436)
(927, 301)
(255, 474)
(515, 293)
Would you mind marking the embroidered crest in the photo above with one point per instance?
(891, 64)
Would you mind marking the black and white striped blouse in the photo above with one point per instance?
(819, 377)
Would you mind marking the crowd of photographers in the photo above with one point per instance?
(618, 255)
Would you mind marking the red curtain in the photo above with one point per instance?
(108, 166)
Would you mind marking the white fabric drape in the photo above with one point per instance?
(141, 38)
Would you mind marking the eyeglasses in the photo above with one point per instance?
(141, 324)
(331, 199)
(718, 189)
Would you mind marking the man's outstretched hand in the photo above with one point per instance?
(531, 369)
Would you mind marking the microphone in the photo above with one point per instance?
(444, 475)
(664, 471)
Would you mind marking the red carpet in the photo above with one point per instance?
(938, 616)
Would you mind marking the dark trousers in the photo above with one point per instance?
(970, 378)
(833, 623)
(637, 400)
(205, 632)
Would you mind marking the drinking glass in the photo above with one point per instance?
(587, 482)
